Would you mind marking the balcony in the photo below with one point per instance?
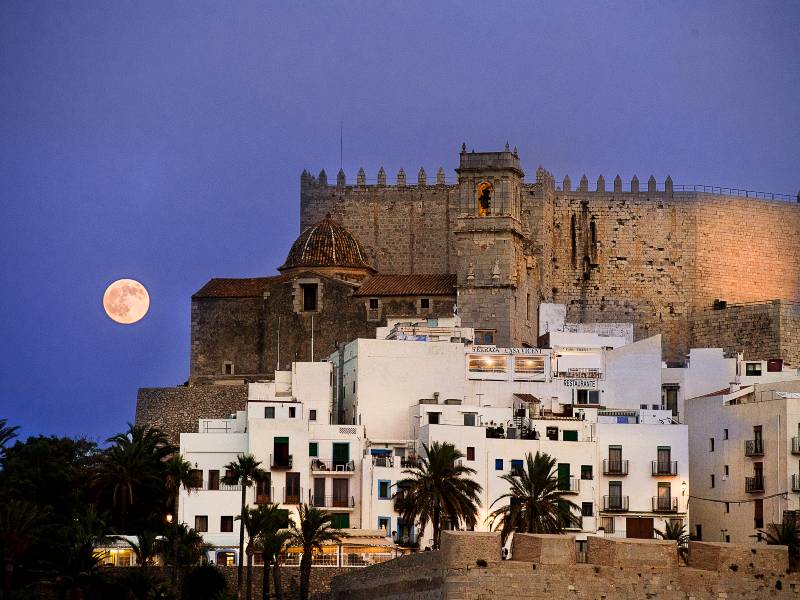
(754, 484)
(335, 466)
(409, 462)
(796, 483)
(214, 486)
(280, 462)
(383, 461)
(265, 497)
(615, 503)
(571, 485)
(292, 496)
(665, 504)
(333, 501)
(664, 468)
(796, 445)
(754, 447)
(615, 467)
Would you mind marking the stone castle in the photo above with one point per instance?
(704, 267)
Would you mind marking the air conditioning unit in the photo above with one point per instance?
(724, 478)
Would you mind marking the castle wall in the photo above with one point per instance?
(177, 410)
(404, 228)
(226, 329)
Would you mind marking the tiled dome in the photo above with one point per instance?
(326, 244)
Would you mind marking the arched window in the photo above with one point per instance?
(484, 194)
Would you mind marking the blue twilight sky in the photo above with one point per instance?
(164, 141)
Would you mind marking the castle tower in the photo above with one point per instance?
(492, 267)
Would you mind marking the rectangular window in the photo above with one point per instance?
(587, 509)
(313, 448)
(309, 295)
(727, 470)
(712, 480)
(196, 476)
(699, 534)
(752, 369)
(484, 337)
(228, 367)
(552, 433)
(226, 524)
(373, 304)
(469, 419)
(213, 479)
(529, 365)
(669, 399)
(269, 412)
(588, 397)
(385, 523)
(570, 435)
(201, 523)
(433, 418)
(727, 507)
(292, 412)
(724, 434)
(312, 415)
(470, 452)
(486, 363)
(424, 303)
(586, 472)
(710, 444)
(607, 524)
(758, 513)
(516, 466)
(384, 489)
(498, 464)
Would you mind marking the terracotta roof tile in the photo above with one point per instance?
(408, 285)
(252, 287)
(326, 244)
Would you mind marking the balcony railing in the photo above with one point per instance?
(332, 465)
(280, 462)
(383, 461)
(615, 467)
(665, 504)
(754, 484)
(754, 448)
(796, 445)
(265, 498)
(409, 462)
(615, 503)
(664, 468)
(292, 497)
(210, 486)
(796, 483)
(571, 485)
(333, 501)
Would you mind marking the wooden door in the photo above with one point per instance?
(639, 527)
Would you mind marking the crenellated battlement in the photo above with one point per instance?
(310, 182)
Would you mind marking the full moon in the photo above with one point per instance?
(126, 301)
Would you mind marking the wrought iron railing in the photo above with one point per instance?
(664, 467)
(615, 467)
(665, 504)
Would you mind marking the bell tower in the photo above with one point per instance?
(490, 247)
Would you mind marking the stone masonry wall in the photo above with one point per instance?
(752, 328)
(651, 257)
(429, 576)
(176, 410)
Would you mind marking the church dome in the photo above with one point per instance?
(326, 244)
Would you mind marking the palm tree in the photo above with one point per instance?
(243, 471)
(145, 548)
(439, 488)
(133, 462)
(271, 541)
(6, 434)
(536, 504)
(253, 521)
(178, 473)
(674, 529)
(784, 534)
(22, 524)
(315, 528)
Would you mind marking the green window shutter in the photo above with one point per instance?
(570, 436)
(313, 449)
(281, 440)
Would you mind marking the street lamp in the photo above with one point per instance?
(169, 518)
